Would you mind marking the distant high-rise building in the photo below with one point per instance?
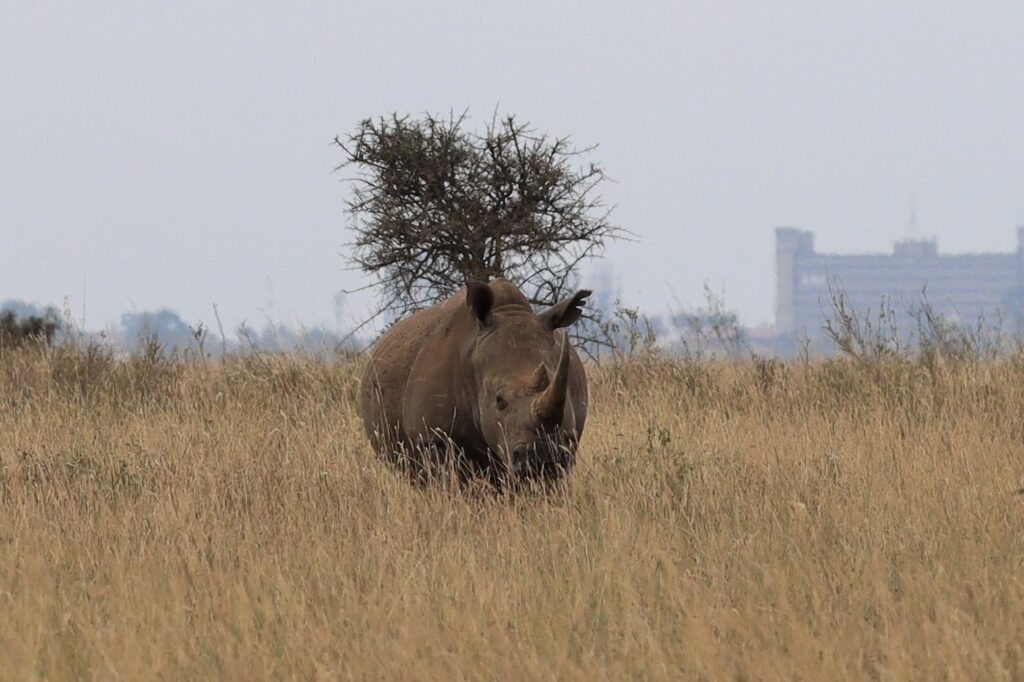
(962, 287)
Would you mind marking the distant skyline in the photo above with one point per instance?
(179, 155)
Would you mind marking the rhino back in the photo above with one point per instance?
(402, 362)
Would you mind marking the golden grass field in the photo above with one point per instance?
(186, 519)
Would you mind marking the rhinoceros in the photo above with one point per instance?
(481, 382)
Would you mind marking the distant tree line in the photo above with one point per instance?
(23, 324)
(29, 330)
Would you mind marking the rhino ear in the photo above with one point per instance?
(564, 313)
(480, 299)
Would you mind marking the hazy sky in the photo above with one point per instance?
(178, 154)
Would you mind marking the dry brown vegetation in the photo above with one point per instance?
(752, 520)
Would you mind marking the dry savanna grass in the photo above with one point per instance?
(183, 519)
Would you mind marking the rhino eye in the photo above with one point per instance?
(501, 402)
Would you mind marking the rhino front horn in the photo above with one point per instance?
(550, 405)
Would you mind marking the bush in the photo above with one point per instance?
(36, 330)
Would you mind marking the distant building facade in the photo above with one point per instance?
(963, 287)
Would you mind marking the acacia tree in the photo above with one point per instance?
(434, 205)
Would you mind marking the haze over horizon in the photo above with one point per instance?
(180, 156)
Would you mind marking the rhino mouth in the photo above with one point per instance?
(547, 460)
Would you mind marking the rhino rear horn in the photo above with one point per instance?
(549, 406)
(540, 379)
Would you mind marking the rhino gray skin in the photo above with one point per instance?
(483, 377)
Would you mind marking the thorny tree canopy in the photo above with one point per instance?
(434, 205)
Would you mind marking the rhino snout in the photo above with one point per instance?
(548, 458)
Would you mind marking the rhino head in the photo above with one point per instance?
(527, 384)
